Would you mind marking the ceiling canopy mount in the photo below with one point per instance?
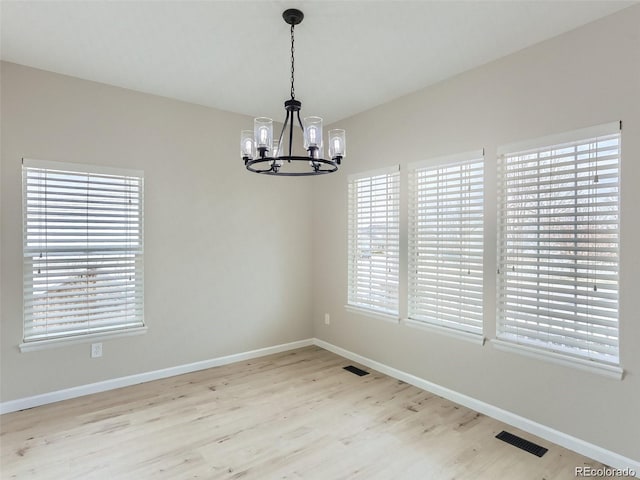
(293, 16)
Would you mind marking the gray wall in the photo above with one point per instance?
(227, 253)
(585, 77)
(233, 261)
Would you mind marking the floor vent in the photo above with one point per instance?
(356, 370)
(521, 443)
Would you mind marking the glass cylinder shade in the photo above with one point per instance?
(246, 144)
(337, 143)
(312, 133)
(263, 133)
(275, 153)
(316, 154)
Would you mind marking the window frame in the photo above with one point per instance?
(553, 351)
(111, 245)
(389, 308)
(428, 180)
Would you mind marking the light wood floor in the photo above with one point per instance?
(293, 415)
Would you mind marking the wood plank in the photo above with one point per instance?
(291, 415)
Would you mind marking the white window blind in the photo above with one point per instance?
(446, 242)
(374, 238)
(83, 250)
(558, 244)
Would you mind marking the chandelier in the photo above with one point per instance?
(264, 154)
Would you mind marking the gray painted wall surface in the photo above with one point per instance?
(227, 253)
(586, 77)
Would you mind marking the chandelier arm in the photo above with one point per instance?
(315, 166)
(284, 127)
(300, 122)
(291, 132)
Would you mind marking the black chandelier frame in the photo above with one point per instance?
(319, 165)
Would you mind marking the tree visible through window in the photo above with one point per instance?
(558, 245)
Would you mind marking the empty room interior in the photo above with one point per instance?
(444, 283)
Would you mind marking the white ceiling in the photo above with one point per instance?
(234, 55)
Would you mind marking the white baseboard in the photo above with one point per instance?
(587, 449)
(572, 443)
(45, 398)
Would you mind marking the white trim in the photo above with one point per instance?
(81, 167)
(582, 447)
(611, 371)
(560, 138)
(367, 312)
(63, 341)
(447, 160)
(79, 391)
(374, 173)
(450, 332)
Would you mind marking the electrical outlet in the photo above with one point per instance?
(96, 350)
(327, 319)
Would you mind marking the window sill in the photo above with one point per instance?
(62, 341)
(387, 317)
(610, 371)
(450, 332)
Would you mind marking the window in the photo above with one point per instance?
(446, 242)
(558, 244)
(374, 238)
(83, 250)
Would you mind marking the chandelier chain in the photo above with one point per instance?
(293, 90)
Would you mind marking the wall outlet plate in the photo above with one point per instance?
(96, 350)
(327, 319)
